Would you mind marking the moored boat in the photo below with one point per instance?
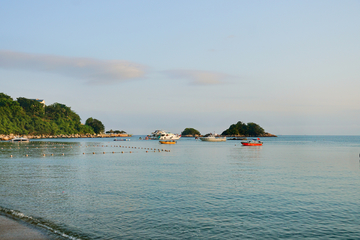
(253, 142)
(19, 139)
(121, 139)
(167, 142)
(162, 135)
(213, 138)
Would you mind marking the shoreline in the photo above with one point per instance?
(14, 229)
(9, 137)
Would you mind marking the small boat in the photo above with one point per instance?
(167, 142)
(162, 135)
(254, 142)
(213, 138)
(121, 139)
(19, 139)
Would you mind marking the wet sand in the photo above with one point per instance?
(14, 230)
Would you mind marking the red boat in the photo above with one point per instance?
(254, 142)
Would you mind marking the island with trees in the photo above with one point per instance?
(190, 132)
(241, 129)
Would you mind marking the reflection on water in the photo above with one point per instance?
(291, 187)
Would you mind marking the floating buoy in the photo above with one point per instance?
(103, 152)
(93, 152)
(122, 151)
(10, 155)
(113, 152)
(130, 151)
(26, 155)
(63, 154)
(83, 153)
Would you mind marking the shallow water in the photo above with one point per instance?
(291, 187)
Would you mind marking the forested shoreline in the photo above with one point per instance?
(30, 117)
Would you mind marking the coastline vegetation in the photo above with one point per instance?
(30, 117)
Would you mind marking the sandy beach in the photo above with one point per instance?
(14, 230)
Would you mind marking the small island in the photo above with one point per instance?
(241, 129)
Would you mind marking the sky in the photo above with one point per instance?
(293, 67)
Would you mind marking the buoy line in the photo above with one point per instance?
(49, 146)
(93, 153)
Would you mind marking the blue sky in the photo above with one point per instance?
(290, 66)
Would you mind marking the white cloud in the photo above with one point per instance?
(93, 70)
(198, 77)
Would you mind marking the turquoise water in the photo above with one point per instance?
(292, 187)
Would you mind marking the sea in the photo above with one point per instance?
(292, 187)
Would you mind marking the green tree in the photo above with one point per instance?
(119, 132)
(190, 131)
(95, 124)
(254, 130)
(32, 107)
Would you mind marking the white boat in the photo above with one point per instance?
(19, 139)
(213, 138)
(121, 139)
(162, 135)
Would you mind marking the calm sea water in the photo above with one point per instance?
(292, 187)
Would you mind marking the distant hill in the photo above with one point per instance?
(30, 117)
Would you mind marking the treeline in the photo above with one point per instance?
(239, 129)
(30, 117)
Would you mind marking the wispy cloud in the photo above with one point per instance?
(92, 70)
(198, 77)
